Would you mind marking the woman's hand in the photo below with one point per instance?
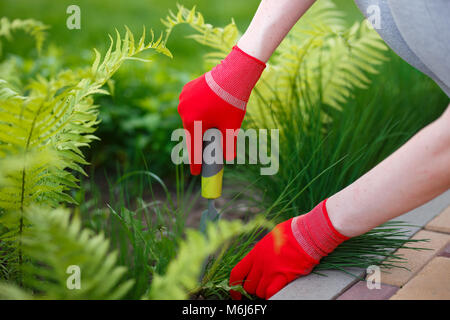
(291, 250)
(218, 99)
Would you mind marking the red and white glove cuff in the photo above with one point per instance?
(235, 77)
(315, 233)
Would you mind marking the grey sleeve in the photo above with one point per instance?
(418, 31)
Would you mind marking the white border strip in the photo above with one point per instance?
(235, 102)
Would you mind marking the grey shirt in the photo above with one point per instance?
(418, 31)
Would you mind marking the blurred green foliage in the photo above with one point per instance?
(137, 121)
(100, 17)
(136, 124)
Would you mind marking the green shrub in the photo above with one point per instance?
(52, 244)
(138, 119)
(144, 221)
(44, 123)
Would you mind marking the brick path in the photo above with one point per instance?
(428, 276)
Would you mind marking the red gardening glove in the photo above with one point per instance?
(274, 262)
(218, 99)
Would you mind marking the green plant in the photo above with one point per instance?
(220, 39)
(32, 27)
(181, 277)
(53, 242)
(327, 141)
(320, 54)
(365, 131)
(137, 121)
(58, 118)
(44, 123)
(144, 220)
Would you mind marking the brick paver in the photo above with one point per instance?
(319, 287)
(445, 252)
(432, 282)
(416, 259)
(429, 277)
(360, 291)
(441, 223)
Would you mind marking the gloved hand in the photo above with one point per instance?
(268, 267)
(218, 99)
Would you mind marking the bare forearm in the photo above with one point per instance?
(269, 26)
(411, 176)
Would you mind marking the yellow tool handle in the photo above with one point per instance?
(212, 174)
(212, 186)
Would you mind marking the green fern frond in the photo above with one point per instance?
(9, 77)
(55, 242)
(12, 292)
(181, 277)
(33, 27)
(7, 91)
(125, 49)
(57, 117)
(321, 56)
(42, 133)
(219, 39)
(324, 58)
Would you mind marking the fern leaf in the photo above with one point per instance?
(321, 59)
(56, 242)
(42, 132)
(220, 39)
(57, 121)
(181, 278)
(320, 55)
(33, 27)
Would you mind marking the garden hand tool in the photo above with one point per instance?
(219, 98)
(291, 250)
(212, 175)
